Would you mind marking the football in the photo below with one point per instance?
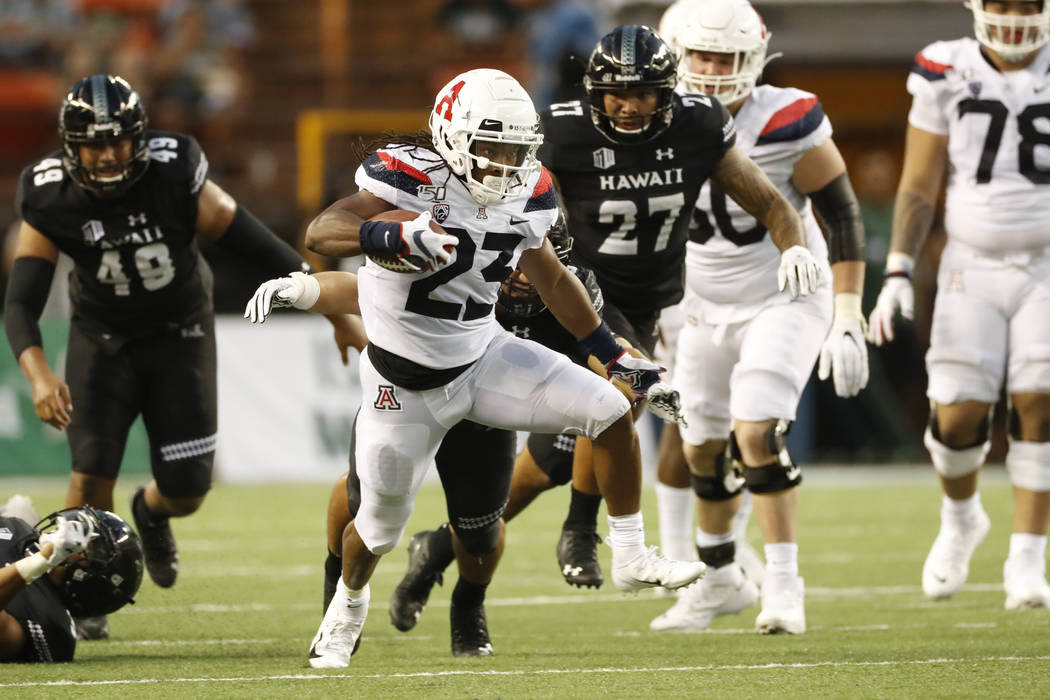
(391, 261)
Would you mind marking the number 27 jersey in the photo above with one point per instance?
(998, 128)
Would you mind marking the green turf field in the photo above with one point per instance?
(240, 619)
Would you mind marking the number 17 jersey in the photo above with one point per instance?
(998, 128)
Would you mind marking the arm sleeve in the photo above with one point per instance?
(27, 290)
(251, 239)
(838, 208)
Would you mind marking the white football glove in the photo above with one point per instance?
(299, 290)
(798, 272)
(896, 294)
(666, 403)
(425, 249)
(69, 537)
(844, 355)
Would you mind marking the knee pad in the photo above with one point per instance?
(727, 482)
(952, 464)
(984, 430)
(1028, 464)
(184, 478)
(381, 521)
(480, 534)
(772, 478)
(775, 440)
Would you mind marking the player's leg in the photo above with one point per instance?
(530, 387)
(395, 437)
(107, 394)
(965, 364)
(765, 390)
(577, 549)
(180, 413)
(475, 470)
(533, 474)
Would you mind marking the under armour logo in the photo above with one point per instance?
(387, 399)
(520, 331)
(140, 219)
(661, 153)
(570, 570)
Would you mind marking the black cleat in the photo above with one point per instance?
(158, 544)
(578, 558)
(92, 627)
(470, 631)
(411, 595)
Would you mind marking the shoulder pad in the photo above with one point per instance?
(934, 61)
(797, 119)
(178, 157)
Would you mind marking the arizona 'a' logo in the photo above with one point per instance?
(440, 213)
(386, 400)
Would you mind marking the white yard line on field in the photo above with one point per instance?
(353, 677)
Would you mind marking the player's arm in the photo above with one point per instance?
(821, 174)
(335, 232)
(331, 292)
(27, 290)
(233, 227)
(925, 164)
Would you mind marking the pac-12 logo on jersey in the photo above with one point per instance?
(386, 399)
(441, 212)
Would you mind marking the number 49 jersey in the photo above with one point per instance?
(137, 265)
(629, 205)
(445, 318)
(998, 128)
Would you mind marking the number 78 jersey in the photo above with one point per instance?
(445, 318)
(998, 128)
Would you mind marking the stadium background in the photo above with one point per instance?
(278, 91)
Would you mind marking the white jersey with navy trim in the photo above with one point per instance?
(444, 318)
(998, 128)
(731, 262)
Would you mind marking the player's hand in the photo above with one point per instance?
(69, 537)
(278, 293)
(844, 355)
(896, 295)
(423, 247)
(52, 401)
(798, 272)
(349, 332)
(666, 403)
(638, 373)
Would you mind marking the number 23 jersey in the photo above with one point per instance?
(137, 266)
(998, 128)
(444, 318)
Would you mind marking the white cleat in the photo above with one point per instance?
(1025, 584)
(724, 591)
(783, 606)
(948, 563)
(340, 633)
(649, 569)
(750, 561)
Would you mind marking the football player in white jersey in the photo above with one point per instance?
(437, 355)
(979, 114)
(746, 349)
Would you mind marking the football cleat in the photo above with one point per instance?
(724, 591)
(470, 631)
(783, 605)
(411, 595)
(649, 569)
(158, 543)
(339, 636)
(750, 561)
(948, 563)
(92, 627)
(578, 558)
(1025, 584)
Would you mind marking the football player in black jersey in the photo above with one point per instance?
(80, 561)
(629, 162)
(128, 204)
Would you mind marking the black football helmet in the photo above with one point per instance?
(519, 298)
(98, 109)
(631, 56)
(107, 574)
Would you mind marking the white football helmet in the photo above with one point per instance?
(721, 26)
(485, 104)
(1011, 36)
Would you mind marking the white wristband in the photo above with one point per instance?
(33, 567)
(900, 262)
(311, 291)
(847, 305)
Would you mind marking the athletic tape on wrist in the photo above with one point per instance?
(32, 567)
(311, 289)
